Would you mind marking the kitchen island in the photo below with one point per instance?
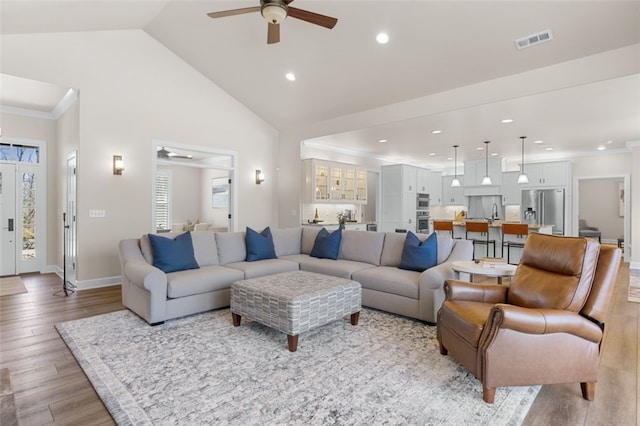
(332, 226)
(495, 233)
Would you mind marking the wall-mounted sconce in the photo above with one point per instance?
(118, 164)
(259, 177)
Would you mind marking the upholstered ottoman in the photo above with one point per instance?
(295, 302)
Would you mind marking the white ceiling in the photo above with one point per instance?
(435, 46)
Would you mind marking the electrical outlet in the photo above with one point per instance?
(97, 213)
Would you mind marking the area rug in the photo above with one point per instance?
(634, 285)
(11, 285)
(202, 370)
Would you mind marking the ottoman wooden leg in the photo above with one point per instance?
(354, 318)
(236, 319)
(293, 342)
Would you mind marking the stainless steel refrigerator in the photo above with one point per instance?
(544, 206)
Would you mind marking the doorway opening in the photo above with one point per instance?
(193, 188)
(603, 202)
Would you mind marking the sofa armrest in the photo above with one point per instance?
(543, 321)
(464, 290)
(137, 271)
(462, 250)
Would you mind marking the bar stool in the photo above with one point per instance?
(520, 230)
(443, 225)
(482, 228)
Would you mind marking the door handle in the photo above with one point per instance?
(10, 224)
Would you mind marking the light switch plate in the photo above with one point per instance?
(97, 213)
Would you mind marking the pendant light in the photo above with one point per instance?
(523, 178)
(455, 182)
(486, 180)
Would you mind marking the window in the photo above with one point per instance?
(163, 200)
(20, 153)
(28, 216)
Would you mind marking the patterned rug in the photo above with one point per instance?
(11, 285)
(634, 285)
(202, 370)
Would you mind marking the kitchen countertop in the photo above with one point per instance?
(335, 223)
(496, 224)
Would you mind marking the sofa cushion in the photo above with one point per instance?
(419, 255)
(392, 248)
(259, 246)
(362, 246)
(388, 279)
(173, 254)
(263, 267)
(327, 245)
(204, 248)
(231, 247)
(145, 244)
(445, 245)
(337, 268)
(203, 280)
(287, 240)
(308, 238)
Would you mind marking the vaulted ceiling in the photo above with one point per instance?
(434, 47)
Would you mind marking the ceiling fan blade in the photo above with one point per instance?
(273, 33)
(312, 17)
(233, 12)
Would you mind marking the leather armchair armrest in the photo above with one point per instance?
(464, 290)
(543, 321)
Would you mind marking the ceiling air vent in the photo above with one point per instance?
(533, 39)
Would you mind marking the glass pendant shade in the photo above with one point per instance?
(486, 180)
(455, 182)
(523, 178)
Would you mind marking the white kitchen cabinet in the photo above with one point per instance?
(475, 170)
(435, 188)
(546, 175)
(331, 182)
(423, 180)
(455, 195)
(398, 197)
(511, 189)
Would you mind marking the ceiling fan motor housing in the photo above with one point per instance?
(274, 11)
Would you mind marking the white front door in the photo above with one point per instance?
(8, 219)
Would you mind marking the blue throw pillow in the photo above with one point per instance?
(259, 246)
(417, 255)
(327, 244)
(172, 255)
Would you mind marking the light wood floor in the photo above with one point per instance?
(48, 386)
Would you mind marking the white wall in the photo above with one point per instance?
(598, 206)
(133, 90)
(216, 216)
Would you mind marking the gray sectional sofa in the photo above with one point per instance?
(371, 258)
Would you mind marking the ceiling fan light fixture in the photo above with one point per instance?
(274, 12)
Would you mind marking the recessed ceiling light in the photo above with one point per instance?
(436, 132)
(382, 38)
(449, 158)
(601, 148)
(382, 140)
(549, 148)
(493, 154)
(290, 76)
(609, 142)
(507, 120)
(432, 154)
(538, 141)
(479, 148)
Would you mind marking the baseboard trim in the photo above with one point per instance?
(98, 283)
(634, 265)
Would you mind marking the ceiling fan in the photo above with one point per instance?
(275, 11)
(165, 154)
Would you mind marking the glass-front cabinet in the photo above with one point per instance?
(331, 182)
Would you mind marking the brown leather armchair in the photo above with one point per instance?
(546, 327)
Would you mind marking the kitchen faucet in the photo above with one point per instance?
(494, 212)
